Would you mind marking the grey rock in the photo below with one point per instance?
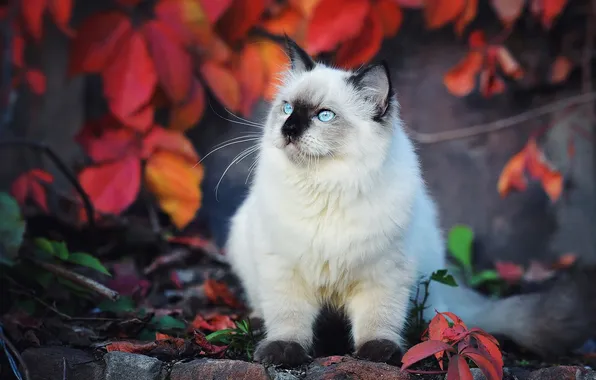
(126, 366)
(51, 363)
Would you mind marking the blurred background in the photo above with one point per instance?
(114, 110)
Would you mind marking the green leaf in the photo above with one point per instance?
(168, 322)
(60, 250)
(54, 248)
(443, 277)
(44, 279)
(459, 243)
(12, 229)
(243, 326)
(221, 336)
(86, 260)
(121, 305)
(484, 276)
(44, 244)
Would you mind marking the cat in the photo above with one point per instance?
(338, 217)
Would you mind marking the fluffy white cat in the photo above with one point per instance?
(338, 216)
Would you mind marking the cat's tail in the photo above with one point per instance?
(548, 322)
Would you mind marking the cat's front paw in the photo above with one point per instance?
(380, 350)
(278, 352)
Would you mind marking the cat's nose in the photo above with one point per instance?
(291, 131)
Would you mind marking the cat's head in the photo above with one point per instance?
(327, 113)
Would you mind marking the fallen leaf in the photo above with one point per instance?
(159, 138)
(560, 69)
(213, 323)
(437, 13)
(361, 49)
(508, 11)
(176, 184)
(31, 185)
(36, 80)
(509, 271)
(208, 347)
(223, 84)
(130, 79)
(112, 186)
(185, 116)
(335, 21)
(460, 80)
(218, 292)
(172, 62)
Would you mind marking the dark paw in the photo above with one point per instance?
(257, 325)
(380, 350)
(289, 354)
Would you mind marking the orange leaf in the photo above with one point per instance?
(61, 10)
(185, 116)
(335, 21)
(32, 12)
(390, 15)
(552, 183)
(218, 292)
(112, 186)
(130, 79)
(560, 69)
(36, 80)
(213, 323)
(512, 176)
(215, 9)
(565, 261)
(251, 74)
(539, 168)
(437, 13)
(240, 18)
(176, 184)
(172, 63)
(223, 84)
(275, 61)
(29, 185)
(460, 80)
(508, 11)
(362, 48)
(97, 41)
(288, 22)
(467, 16)
(306, 7)
(173, 141)
(509, 65)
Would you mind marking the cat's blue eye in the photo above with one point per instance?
(326, 115)
(287, 108)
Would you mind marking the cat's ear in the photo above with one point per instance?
(299, 59)
(374, 84)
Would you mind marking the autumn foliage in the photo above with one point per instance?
(155, 55)
(454, 343)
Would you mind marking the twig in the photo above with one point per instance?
(44, 303)
(8, 346)
(79, 279)
(62, 167)
(432, 138)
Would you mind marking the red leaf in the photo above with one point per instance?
(509, 271)
(436, 328)
(539, 168)
(335, 21)
(29, 185)
(459, 369)
(364, 46)
(460, 80)
(437, 13)
(290, 21)
(508, 11)
(218, 292)
(61, 10)
(113, 186)
(455, 333)
(423, 350)
(18, 49)
(173, 141)
(485, 365)
(390, 15)
(185, 18)
(130, 79)
(240, 18)
(187, 115)
(456, 320)
(548, 10)
(32, 11)
(215, 9)
(489, 349)
(214, 323)
(560, 69)
(112, 144)
(134, 348)
(97, 41)
(37, 81)
(208, 348)
(223, 84)
(251, 75)
(467, 16)
(172, 63)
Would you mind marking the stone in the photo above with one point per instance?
(48, 363)
(127, 366)
(563, 373)
(343, 367)
(218, 369)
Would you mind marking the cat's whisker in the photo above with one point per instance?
(241, 156)
(243, 119)
(253, 125)
(244, 136)
(246, 139)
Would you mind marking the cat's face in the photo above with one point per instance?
(326, 113)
